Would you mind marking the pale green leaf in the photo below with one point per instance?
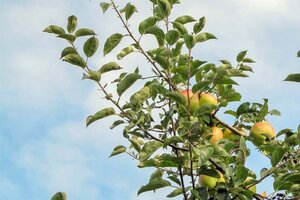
(118, 150)
(111, 66)
(90, 46)
(72, 24)
(112, 42)
(99, 115)
(127, 82)
(75, 59)
(54, 29)
(201, 37)
(84, 32)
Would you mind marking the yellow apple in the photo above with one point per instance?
(194, 99)
(207, 99)
(209, 181)
(262, 132)
(217, 134)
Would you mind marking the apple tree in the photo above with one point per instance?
(172, 121)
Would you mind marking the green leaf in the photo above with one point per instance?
(59, 196)
(129, 9)
(246, 68)
(180, 27)
(94, 75)
(148, 149)
(175, 193)
(164, 7)
(158, 33)
(112, 42)
(241, 173)
(200, 25)
(67, 51)
(72, 24)
(138, 98)
(54, 29)
(298, 54)
(224, 80)
(189, 41)
(90, 46)
(202, 37)
(116, 123)
(68, 37)
(111, 66)
(154, 185)
(240, 57)
(135, 143)
(177, 97)
(230, 112)
(172, 37)
(104, 6)
(204, 153)
(100, 115)
(263, 172)
(127, 82)
(75, 59)
(125, 52)
(185, 19)
(293, 78)
(118, 150)
(243, 108)
(277, 156)
(84, 32)
(147, 23)
(274, 112)
(162, 61)
(248, 60)
(173, 140)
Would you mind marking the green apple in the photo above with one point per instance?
(217, 135)
(232, 136)
(194, 99)
(209, 181)
(207, 99)
(261, 132)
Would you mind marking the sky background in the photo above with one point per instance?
(44, 145)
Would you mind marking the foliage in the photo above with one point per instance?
(177, 145)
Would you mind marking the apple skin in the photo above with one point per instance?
(231, 136)
(207, 98)
(217, 134)
(194, 99)
(261, 131)
(210, 182)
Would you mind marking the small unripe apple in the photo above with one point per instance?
(217, 134)
(262, 132)
(209, 181)
(232, 136)
(194, 99)
(207, 99)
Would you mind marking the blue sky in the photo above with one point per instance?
(44, 145)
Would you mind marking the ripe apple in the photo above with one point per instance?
(232, 136)
(209, 181)
(217, 134)
(262, 132)
(207, 98)
(194, 99)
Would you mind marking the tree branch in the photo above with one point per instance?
(235, 131)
